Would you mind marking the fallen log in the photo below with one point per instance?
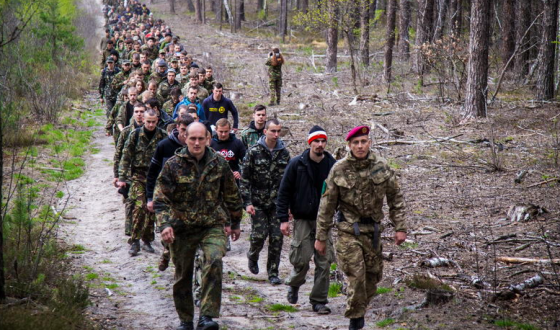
(513, 260)
(517, 289)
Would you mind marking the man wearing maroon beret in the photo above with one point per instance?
(356, 187)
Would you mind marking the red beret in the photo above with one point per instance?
(357, 131)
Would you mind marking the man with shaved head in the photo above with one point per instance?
(197, 203)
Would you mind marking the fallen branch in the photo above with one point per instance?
(513, 260)
(543, 182)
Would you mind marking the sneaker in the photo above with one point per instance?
(321, 309)
(254, 266)
(206, 323)
(148, 247)
(274, 280)
(163, 264)
(186, 326)
(293, 294)
(134, 248)
(356, 324)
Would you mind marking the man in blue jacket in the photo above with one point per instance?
(299, 194)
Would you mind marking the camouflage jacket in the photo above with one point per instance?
(357, 189)
(274, 72)
(251, 135)
(107, 78)
(261, 173)
(126, 54)
(168, 107)
(111, 120)
(137, 154)
(153, 52)
(104, 56)
(201, 95)
(197, 193)
(164, 89)
(120, 145)
(208, 85)
(155, 76)
(118, 82)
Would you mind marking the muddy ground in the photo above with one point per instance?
(458, 182)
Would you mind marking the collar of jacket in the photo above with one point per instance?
(209, 155)
(361, 163)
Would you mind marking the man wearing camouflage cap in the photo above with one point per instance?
(166, 85)
(356, 186)
(160, 73)
(108, 95)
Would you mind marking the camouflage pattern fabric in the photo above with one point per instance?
(118, 82)
(301, 251)
(105, 90)
(265, 224)
(104, 56)
(111, 127)
(194, 194)
(358, 188)
(168, 107)
(274, 81)
(164, 89)
(128, 209)
(123, 136)
(137, 154)
(152, 52)
(250, 137)
(201, 95)
(212, 242)
(155, 76)
(142, 219)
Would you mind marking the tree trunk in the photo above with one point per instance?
(372, 11)
(283, 20)
(2, 276)
(364, 32)
(547, 51)
(332, 36)
(260, 5)
(456, 17)
(237, 15)
(508, 31)
(198, 11)
(172, 6)
(390, 37)
(523, 20)
(477, 68)
(423, 31)
(304, 6)
(404, 25)
(228, 13)
(441, 18)
(190, 5)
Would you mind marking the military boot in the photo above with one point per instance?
(356, 324)
(163, 263)
(206, 323)
(134, 248)
(293, 294)
(186, 326)
(148, 247)
(254, 266)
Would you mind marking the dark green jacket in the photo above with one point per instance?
(137, 154)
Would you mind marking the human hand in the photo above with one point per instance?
(234, 233)
(150, 206)
(121, 184)
(250, 209)
(321, 247)
(285, 228)
(115, 180)
(167, 235)
(400, 237)
(237, 175)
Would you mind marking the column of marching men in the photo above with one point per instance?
(186, 172)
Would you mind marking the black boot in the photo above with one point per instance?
(254, 266)
(134, 248)
(293, 294)
(206, 323)
(186, 326)
(356, 324)
(148, 247)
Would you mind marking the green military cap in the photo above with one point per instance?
(162, 51)
(125, 61)
(174, 59)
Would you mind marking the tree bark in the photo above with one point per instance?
(172, 6)
(237, 15)
(404, 25)
(441, 18)
(283, 20)
(2, 275)
(390, 37)
(372, 10)
(547, 51)
(364, 32)
(423, 32)
(523, 20)
(477, 68)
(508, 31)
(456, 17)
(332, 36)
(198, 11)
(190, 5)
(260, 5)
(304, 6)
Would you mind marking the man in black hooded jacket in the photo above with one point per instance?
(230, 147)
(300, 194)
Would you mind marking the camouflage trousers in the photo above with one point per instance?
(143, 220)
(301, 251)
(198, 262)
(275, 84)
(265, 224)
(128, 208)
(212, 242)
(116, 134)
(109, 104)
(363, 267)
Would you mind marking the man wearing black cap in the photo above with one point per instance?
(356, 187)
(299, 194)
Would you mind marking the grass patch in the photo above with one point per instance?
(385, 323)
(255, 299)
(408, 245)
(334, 289)
(382, 290)
(282, 308)
(505, 323)
(92, 276)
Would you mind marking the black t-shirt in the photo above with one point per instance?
(320, 172)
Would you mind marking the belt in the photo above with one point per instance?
(367, 221)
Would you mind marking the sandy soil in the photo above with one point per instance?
(457, 205)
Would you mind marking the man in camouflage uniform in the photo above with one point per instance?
(107, 52)
(274, 76)
(175, 96)
(126, 111)
(357, 186)
(111, 128)
(251, 135)
(209, 80)
(151, 49)
(135, 162)
(108, 95)
(164, 87)
(123, 136)
(195, 198)
(136, 64)
(126, 53)
(161, 72)
(183, 76)
(262, 170)
(123, 77)
(202, 93)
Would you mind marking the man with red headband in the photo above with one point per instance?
(299, 194)
(356, 187)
